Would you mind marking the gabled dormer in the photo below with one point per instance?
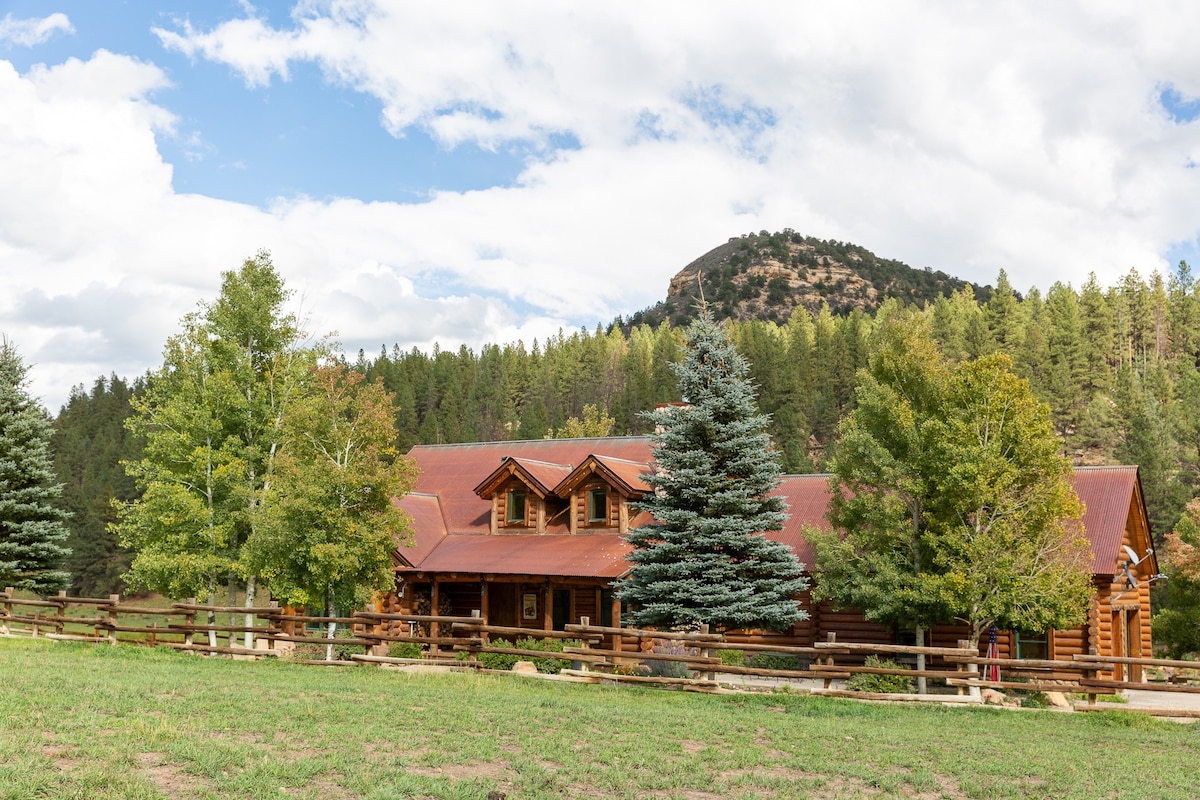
(598, 493)
(522, 494)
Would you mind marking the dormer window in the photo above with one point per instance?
(598, 505)
(516, 506)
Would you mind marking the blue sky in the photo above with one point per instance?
(303, 136)
(473, 172)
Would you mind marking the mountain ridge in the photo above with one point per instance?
(768, 275)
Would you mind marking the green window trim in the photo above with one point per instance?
(598, 505)
(517, 507)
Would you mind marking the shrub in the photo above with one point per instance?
(887, 684)
(549, 665)
(500, 661)
(774, 661)
(1035, 700)
(732, 658)
(505, 661)
(404, 650)
(670, 669)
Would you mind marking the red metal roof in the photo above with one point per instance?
(546, 474)
(541, 476)
(1107, 495)
(453, 471)
(599, 555)
(428, 528)
(807, 498)
(630, 472)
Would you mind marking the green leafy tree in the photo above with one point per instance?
(182, 526)
(1004, 511)
(1177, 626)
(326, 536)
(595, 422)
(212, 419)
(32, 527)
(705, 560)
(880, 556)
(951, 498)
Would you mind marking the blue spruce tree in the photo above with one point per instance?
(32, 531)
(704, 560)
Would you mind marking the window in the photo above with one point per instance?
(516, 506)
(1032, 645)
(598, 505)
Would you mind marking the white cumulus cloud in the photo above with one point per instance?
(30, 32)
(967, 138)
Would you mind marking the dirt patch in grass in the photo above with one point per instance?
(476, 770)
(54, 752)
(835, 786)
(324, 788)
(691, 746)
(168, 778)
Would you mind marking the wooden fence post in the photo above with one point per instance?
(114, 600)
(585, 644)
(1093, 651)
(8, 593)
(473, 657)
(189, 620)
(707, 652)
(831, 638)
(59, 624)
(273, 624)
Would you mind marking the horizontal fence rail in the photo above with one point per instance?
(691, 660)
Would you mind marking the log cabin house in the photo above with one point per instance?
(529, 534)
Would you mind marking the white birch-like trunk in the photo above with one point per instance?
(332, 624)
(212, 619)
(973, 644)
(251, 586)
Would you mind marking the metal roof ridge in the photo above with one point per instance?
(622, 460)
(502, 442)
(525, 460)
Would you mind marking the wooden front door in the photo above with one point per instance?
(1127, 643)
(502, 605)
(562, 608)
(1133, 642)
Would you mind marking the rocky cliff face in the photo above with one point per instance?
(767, 276)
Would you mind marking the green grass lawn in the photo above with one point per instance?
(96, 721)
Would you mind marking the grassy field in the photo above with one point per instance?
(95, 721)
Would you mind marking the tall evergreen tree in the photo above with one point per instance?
(32, 528)
(704, 560)
(1003, 315)
(90, 443)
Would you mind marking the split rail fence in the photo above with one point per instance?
(688, 660)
